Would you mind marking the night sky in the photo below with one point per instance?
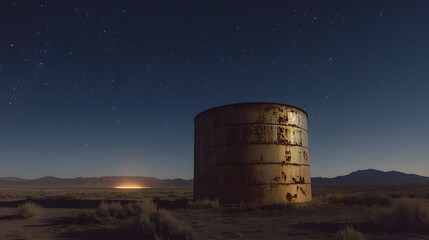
(99, 88)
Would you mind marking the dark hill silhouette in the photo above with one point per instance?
(12, 179)
(373, 177)
(94, 182)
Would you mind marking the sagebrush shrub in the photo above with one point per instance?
(349, 233)
(406, 215)
(29, 210)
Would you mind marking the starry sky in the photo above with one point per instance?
(99, 88)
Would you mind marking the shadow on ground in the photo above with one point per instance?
(368, 226)
(54, 203)
(326, 227)
(93, 234)
(10, 217)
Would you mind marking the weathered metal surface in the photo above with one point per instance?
(256, 194)
(248, 174)
(253, 153)
(251, 133)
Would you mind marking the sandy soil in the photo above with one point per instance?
(39, 227)
(51, 223)
(321, 223)
(315, 222)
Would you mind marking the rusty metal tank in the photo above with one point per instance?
(252, 153)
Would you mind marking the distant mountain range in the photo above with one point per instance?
(95, 182)
(373, 177)
(361, 177)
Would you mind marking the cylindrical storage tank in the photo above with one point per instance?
(252, 153)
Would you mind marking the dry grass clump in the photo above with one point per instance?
(406, 215)
(87, 217)
(360, 199)
(29, 210)
(349, 233)
(205, 204)
(138, 220)
(145, 220)
(167, 226)
(174, 203)
(107, 212)
(110, 211)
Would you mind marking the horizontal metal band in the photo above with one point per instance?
(234, 144)
(244, 124)
(251, 104)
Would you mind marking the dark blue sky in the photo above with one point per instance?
(92, 88)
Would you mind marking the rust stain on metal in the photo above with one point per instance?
(302, 190)
(284, 177)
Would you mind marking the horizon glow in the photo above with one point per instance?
(130, 187)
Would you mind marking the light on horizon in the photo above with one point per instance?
(130, 187)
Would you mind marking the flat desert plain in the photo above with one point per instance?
(387, 212)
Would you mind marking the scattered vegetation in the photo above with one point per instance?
(204, 204)
(87, 217)
(214, 204)
(349, 233)
(94, 194)
(407, 215)
(360, 199)
(265, 207)
(171, 204)
(140, 220)
(110, 212)
(29, 210)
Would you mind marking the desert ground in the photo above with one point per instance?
(388, 212)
